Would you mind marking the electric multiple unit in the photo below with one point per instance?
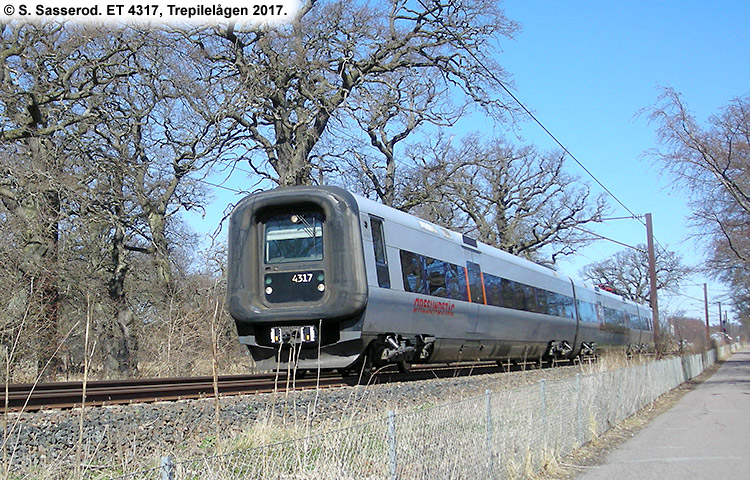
(327, 279)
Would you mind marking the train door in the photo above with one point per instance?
(475, 286)
(381, 256)
(577, 315)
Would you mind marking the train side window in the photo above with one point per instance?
(508, 291)
(435, 273)
(614, 317)
(493, 289)
(475, 282)
(587, 312)
(542, 301)
(455, 281)
(555, 304)
(381, 258)
(526, 297)
(430, 276)
(569, 307)
(412, 270)
(599, 313)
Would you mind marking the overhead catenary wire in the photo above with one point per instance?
(555, 139)
(602, 237)
(546, 130)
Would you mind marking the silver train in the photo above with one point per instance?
(327, 279)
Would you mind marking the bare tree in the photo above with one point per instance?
(389, 112)
(52, 76)
(713, 162)
(627, 272)
(295, 79)
(153, 141)
(106, 134)
(511, 197)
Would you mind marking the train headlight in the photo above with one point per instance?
(269, 290)
(321, 287)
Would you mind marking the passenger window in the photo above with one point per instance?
(555, 304)
(430, 276)
(435, 273)
(542, 301)
(381, 258)
(493, 289)
(455, 281)
(587, 312)
(411, 268)
(475, 282)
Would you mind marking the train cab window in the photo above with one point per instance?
(294, 237)
(381, 258)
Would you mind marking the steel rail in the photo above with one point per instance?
(27, 397)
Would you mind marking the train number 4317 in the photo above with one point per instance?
(302, 277)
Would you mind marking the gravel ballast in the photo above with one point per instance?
(137, 435)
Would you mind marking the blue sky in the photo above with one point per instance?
(586, 68)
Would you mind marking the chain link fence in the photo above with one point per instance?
(506, 434)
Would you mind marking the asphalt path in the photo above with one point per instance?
(705, 435)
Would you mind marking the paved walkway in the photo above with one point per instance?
(705, 435)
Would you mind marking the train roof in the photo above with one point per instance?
(419, 224)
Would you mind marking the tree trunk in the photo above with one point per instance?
(120, 344)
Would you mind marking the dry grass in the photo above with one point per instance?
(286, 420)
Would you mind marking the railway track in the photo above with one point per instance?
(28, 397)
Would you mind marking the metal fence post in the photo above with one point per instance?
(167, 468)
(392, 443)
(581, 438)
(488, 402)
(543, 393)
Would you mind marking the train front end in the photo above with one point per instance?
(296, 284)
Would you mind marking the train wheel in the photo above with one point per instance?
(403, 366)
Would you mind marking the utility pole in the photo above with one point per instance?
(652, 277)
(705, 302)
(727, 326)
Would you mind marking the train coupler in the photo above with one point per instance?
(294, 335)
